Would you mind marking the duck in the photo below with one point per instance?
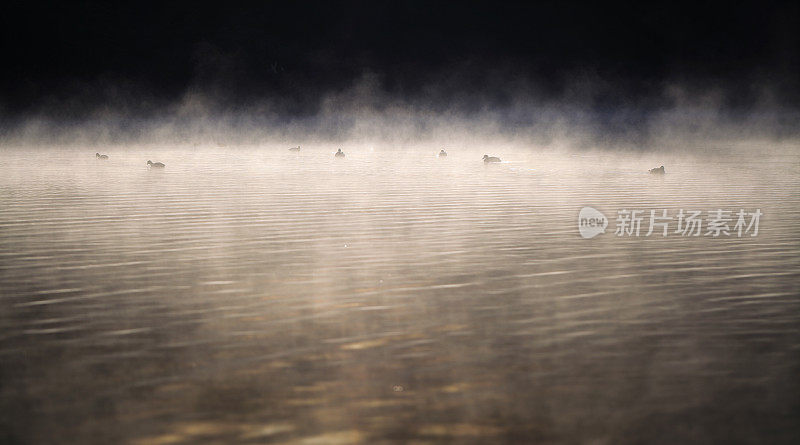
(99, 156)
(155, 164)
(488, 159)
(339, 154)
(657, 171)
(442, 153)
(295, 148)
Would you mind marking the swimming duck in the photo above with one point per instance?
(657, 171)
(442, 153)
(99, 156)
(487, 159)
(295, 148)
(339, 154)
(155, 164)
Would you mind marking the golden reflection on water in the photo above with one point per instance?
(258, 296)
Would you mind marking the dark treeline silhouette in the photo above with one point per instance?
(69, 60)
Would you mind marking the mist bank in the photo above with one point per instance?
(584, 117)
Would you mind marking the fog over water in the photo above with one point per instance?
(250, 294)
(232, 290)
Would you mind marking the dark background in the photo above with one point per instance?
(68, 59)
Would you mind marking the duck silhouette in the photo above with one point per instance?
(295, 148)
(155, 164)
(339, 154)
(99, 156)
(657, 171)
(442, 153)
(489, 159)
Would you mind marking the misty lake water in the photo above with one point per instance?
(250, 295)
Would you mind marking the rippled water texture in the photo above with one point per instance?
(259, 296)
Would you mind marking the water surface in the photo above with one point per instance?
(251, 295)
